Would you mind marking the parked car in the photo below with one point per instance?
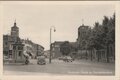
(41, 60)
(68, 59)
(61, 58)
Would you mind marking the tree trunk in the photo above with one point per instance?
(86, 54)
(107, 54)
(98, 56)
(91, 54)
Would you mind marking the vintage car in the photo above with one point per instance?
(68, 59)
(41, 60)
(60, 58)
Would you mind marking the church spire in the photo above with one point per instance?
(82, 22)
(15, 22)
(15, 30)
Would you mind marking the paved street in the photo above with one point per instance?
(58, 67)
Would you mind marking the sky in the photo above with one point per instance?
(35, 19)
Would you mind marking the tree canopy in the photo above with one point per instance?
(100, 35)
(65, 48)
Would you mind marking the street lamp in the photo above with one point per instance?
(52, 27)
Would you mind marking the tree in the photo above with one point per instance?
(65, 48)
(104, 34)
(100, 36)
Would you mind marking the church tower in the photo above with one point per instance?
(15, 30)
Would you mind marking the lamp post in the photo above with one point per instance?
(52, 27)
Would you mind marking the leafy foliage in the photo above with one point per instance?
(65, 48)
(100, 35)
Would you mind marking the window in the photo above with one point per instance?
(10, 54)
(20, 47)
(20, 53)
(53, 49)
(6, 43)
(14, 47)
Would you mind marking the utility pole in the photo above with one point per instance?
(51, 42)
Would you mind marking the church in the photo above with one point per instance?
(13, 46)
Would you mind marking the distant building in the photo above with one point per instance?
(33, 48)
(17, 52)
(14, 32)
(40, 50)
(82, 34)
(74, 49)
(73, 46)
(12, 45)
(6, 44)
(47, 53)
(56, 48)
